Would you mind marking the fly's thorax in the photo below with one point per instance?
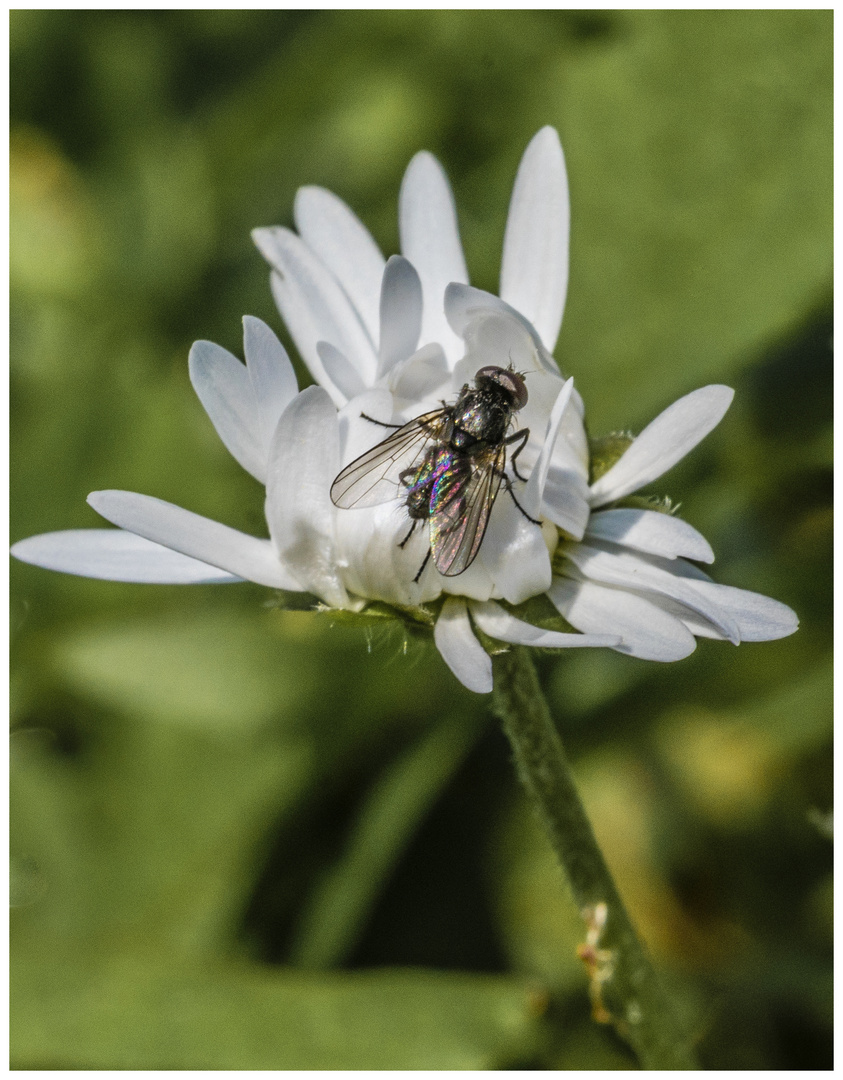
(480, 416)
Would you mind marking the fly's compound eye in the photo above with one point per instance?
(508, 380)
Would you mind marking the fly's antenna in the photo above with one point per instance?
(512, 368)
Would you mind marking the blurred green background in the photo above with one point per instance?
(247, 838)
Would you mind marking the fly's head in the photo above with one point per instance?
(505, 382)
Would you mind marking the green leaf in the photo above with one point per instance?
(220, 672)
(126, 1012)
(153, 834)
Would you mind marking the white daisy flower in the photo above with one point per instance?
(619, 574)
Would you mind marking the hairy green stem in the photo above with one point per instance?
(625, 989)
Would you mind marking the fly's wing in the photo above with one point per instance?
(373, 477)
(459, 518)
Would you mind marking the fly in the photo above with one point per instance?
(450, 464)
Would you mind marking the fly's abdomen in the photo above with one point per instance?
(422, 482)
(448, 488)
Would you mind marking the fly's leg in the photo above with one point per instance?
(523, 435)
(380, 423)
(423, 565)
(509, 488)
(409, 534)
(429, 550)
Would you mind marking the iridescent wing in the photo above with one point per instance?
(373, 477)
(460, 514)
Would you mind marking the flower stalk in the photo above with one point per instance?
(624, 985)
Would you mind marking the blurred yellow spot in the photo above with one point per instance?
(298, 625)
(814, 527)
(538, 1000)
(622, 803)
(50, 228)
(727, 769)
(378, 124)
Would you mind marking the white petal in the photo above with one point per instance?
(341, 373)
(304, 459)
(400, 313)
(303, 329)
(574, 448)
(465, 303)
(115, 555)
(534, 489)
(499, 624)
(650, 531)
(534, 272)
(646, 573)
(271, 373)
(345, 246)
(223, 386)
(663, 442)
(360, 424)
(199, 537)
(374, 565)
(430, 239)
(677, 566)
(646, 631)
(494, 329)
(421, 378)
(244, 402)
(313, 305)
(367, 540)
(692, 620)
(475, 583)
(570, 450)
(565, 495)
(514, 553)
(565, 501)
(460, 649)
(759, 618)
